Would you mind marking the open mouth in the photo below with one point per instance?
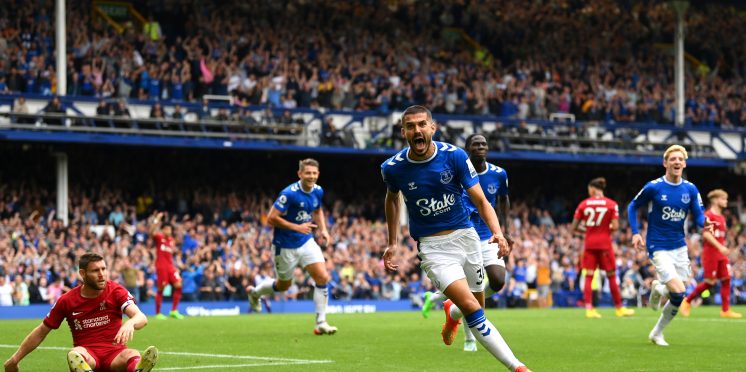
(419, 144)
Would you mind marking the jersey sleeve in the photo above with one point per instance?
(388, 179)
(158, 238)
(698, 208)
(122, 297)
(502, 178)
(614, 210)
(56, 314)
(465, 171)
(579, 212)
(281, 204)
(320, 196)
(642, 198)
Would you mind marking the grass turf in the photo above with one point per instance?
(546, 340)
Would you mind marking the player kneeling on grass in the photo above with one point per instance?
(94, 313)
(293, 215)
(715, 257)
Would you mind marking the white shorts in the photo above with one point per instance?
(448, 258)
(489, 254)
(289, 258)
(672, 264)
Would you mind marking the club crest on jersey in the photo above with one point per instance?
(412, 186)
(446, 176)
(102, 306)
(492, 188)
(685, 198)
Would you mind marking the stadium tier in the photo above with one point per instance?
(231, 159)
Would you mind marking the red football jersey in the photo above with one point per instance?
(720, 229)
(164, 247)
(597, 212)
(92, 321)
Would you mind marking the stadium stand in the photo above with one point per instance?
(512, 70)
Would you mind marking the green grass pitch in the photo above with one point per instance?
(546, 340)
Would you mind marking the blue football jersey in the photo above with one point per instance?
(432, 188)
(296, 206)
(494, 182)
(668, 206)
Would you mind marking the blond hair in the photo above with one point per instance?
(717, 193)
(674, 148)
(307, 162)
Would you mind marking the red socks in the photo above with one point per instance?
(132, 363)
(615, 293)
(725, 293)
(698, 291)
(588, 291)
(176, 298)
(158, 301)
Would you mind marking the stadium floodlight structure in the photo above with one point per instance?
(680, 6)
(61, 61)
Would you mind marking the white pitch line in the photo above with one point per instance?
(281, 361)
(236, 365)
(228, 356)
(717, 320)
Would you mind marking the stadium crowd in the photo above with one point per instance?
(522, 61)
(224, 245)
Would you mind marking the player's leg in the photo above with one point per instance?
(673, 268)
(431, 298)
(706, 284)
(285, 262)
(710, 267)
(454, 264)
(608, 264)
(590, 263)
(130, 360)
(79, 359)
(723, 273)
(494, 267)
(175, 280)
(161, 280)
(312, 260)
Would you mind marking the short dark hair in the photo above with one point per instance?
(87, 258)
(599, 183)
(416, 109)
(471, 138)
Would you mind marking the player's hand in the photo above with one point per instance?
(125, 334)
(388, 257)
(709, 226)
(326, 239)
(504, 248)
(638, 242)
(306, 228)
(510, 241)
(10, 365)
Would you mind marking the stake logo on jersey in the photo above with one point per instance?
(668, 207)
(432, 188)
(296, 206)
(164, 250)
(494, 182)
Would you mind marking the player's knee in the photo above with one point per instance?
(282, 285)
(497, 283)
(676, 298)
(710, 281)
